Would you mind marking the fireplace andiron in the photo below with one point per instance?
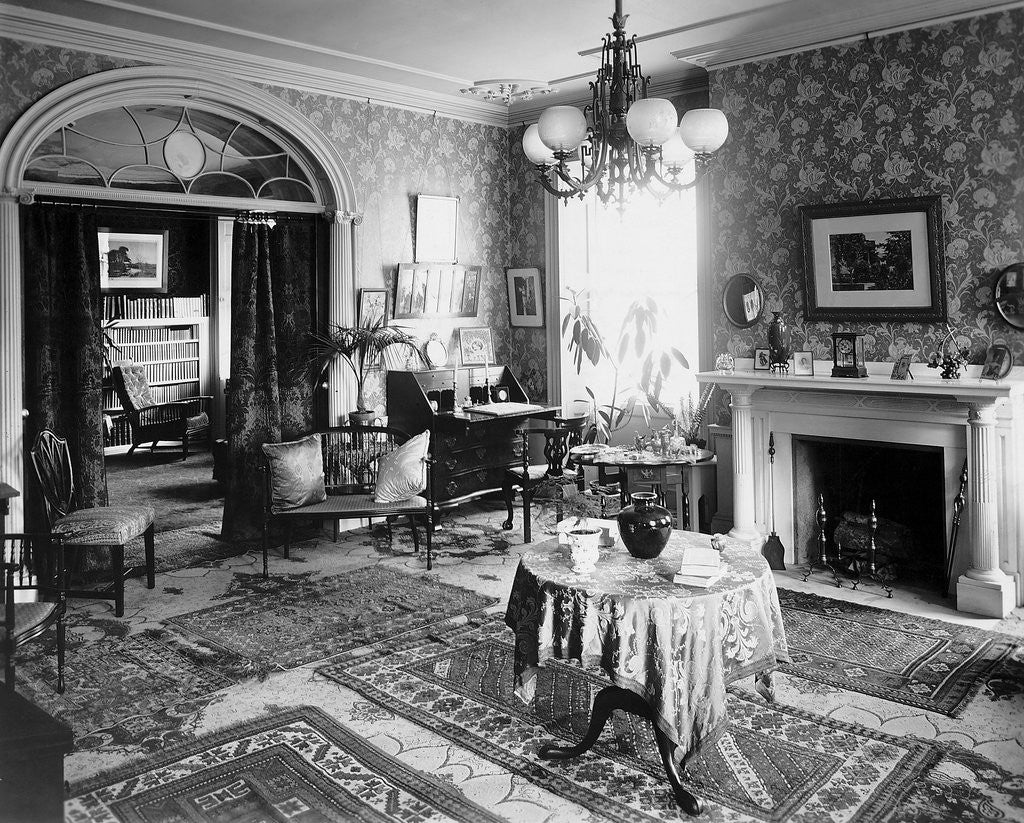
(822, 561)
(859, 566)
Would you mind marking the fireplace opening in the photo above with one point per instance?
(907, 485)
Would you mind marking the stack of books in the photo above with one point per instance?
(700, 567)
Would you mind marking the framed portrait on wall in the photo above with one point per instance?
(475, 346)
(876, 260)
(437, 228)
(132, 261)
(373, 307)
(525, 299)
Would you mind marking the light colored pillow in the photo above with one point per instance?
(296, 472)
(402, 474)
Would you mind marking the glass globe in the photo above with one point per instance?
(675, 156)
(704, 130)
(534, 148)
(562, 128)
(651, 122)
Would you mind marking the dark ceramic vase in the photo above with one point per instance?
(645, 527)
(779, 342)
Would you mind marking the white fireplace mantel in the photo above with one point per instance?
(982, 420)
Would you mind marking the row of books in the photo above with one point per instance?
(700, 567)
(125, 307)
(149, 334)
(144, 352)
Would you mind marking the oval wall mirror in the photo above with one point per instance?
(435, 352)
(742, 300)
(1009, 294)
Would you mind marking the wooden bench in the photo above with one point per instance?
(350, 455)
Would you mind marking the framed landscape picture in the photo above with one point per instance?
(436, 290)
(132, 261)
(525, 301)
(879, 260)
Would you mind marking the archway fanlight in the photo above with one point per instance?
(623, 141)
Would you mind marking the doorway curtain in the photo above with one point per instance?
(273, 298)
(64, 345)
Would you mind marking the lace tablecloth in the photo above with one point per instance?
(676, 646)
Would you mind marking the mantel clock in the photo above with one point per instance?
(848, 354)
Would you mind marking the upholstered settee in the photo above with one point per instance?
(349, 472)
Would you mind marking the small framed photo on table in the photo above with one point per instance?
(762, 360)
(901, 369)
(803, 363)
(475, 346)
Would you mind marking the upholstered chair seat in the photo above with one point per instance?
(104, 526)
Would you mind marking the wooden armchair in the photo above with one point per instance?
(33, 563)
(558, 466)
(179, 420)
(350, 457)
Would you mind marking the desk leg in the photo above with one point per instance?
(608, 700)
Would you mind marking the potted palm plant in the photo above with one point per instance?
(364, 348)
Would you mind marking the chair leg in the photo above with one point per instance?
(527, 535)
(184, 447)
(337, 524)
(415, 534)
(61, 643)
(133, 448)
(287, 538)
(430, 528)
(118, 554)
(266, 547)
(150, 556)
(510, 496)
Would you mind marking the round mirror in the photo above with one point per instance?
(435, 352)
(742, 300)
(1009, 295)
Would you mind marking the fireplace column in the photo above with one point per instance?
(984, 588)
(743, 466)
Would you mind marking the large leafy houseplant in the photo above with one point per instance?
(638, 341)
(364, 348)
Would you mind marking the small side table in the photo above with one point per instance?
(690, 483)
(32, 749)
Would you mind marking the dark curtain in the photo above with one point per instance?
(64, 344)
(273, 276)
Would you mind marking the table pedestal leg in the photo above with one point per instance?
(608, 700)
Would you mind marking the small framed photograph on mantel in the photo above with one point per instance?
(762, 360)
(803, 363)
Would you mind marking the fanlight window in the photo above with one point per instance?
(169, 149)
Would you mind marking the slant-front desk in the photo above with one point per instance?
(471, 445)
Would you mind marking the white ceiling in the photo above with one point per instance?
(436, 48)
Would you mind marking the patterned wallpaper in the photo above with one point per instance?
(930, 111)
(392, 155)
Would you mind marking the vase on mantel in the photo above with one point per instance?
(779, 343)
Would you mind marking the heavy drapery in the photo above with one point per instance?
(271, 399)
(64, 344)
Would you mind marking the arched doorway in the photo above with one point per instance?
(329, 184)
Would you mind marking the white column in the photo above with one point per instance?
(984, 588)
(743, 467)
(12, 356)
(341, 310)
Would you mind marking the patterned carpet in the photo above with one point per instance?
(299, 765)
(925, 663)
(180, 548)
(774, 763)
(290, 620)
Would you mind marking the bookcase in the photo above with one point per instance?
(169, 336)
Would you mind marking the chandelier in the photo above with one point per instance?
(624, 141)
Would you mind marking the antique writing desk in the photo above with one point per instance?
(669, 650)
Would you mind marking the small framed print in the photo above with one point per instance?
(762, 360)
(901, 368)
(998, 362)
(803, 363)
(373, 307)
(135, 261)
(437, 224)
(525, 301)
(476, 347)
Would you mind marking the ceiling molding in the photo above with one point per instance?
(20, 23)
(831, 30)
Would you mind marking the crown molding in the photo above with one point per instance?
(834, 29)
(19, 23)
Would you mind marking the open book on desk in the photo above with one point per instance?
(503, 409)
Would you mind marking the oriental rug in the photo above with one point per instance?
(289, 620)
(299, 765)
(929, 664)
(774, 762)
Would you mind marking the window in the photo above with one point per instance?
(648, 250)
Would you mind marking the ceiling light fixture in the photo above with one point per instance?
(624, 140)
(508, 91)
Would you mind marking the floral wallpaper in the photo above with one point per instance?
(929, 111)
(392, 155)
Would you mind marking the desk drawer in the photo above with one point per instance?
(448, 486)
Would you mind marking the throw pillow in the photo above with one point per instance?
(402, 474)
(296, 472)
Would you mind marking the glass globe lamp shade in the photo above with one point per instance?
(562, 128)
(534, 148)
(704, 130)
(651, 121)
(675, 156)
